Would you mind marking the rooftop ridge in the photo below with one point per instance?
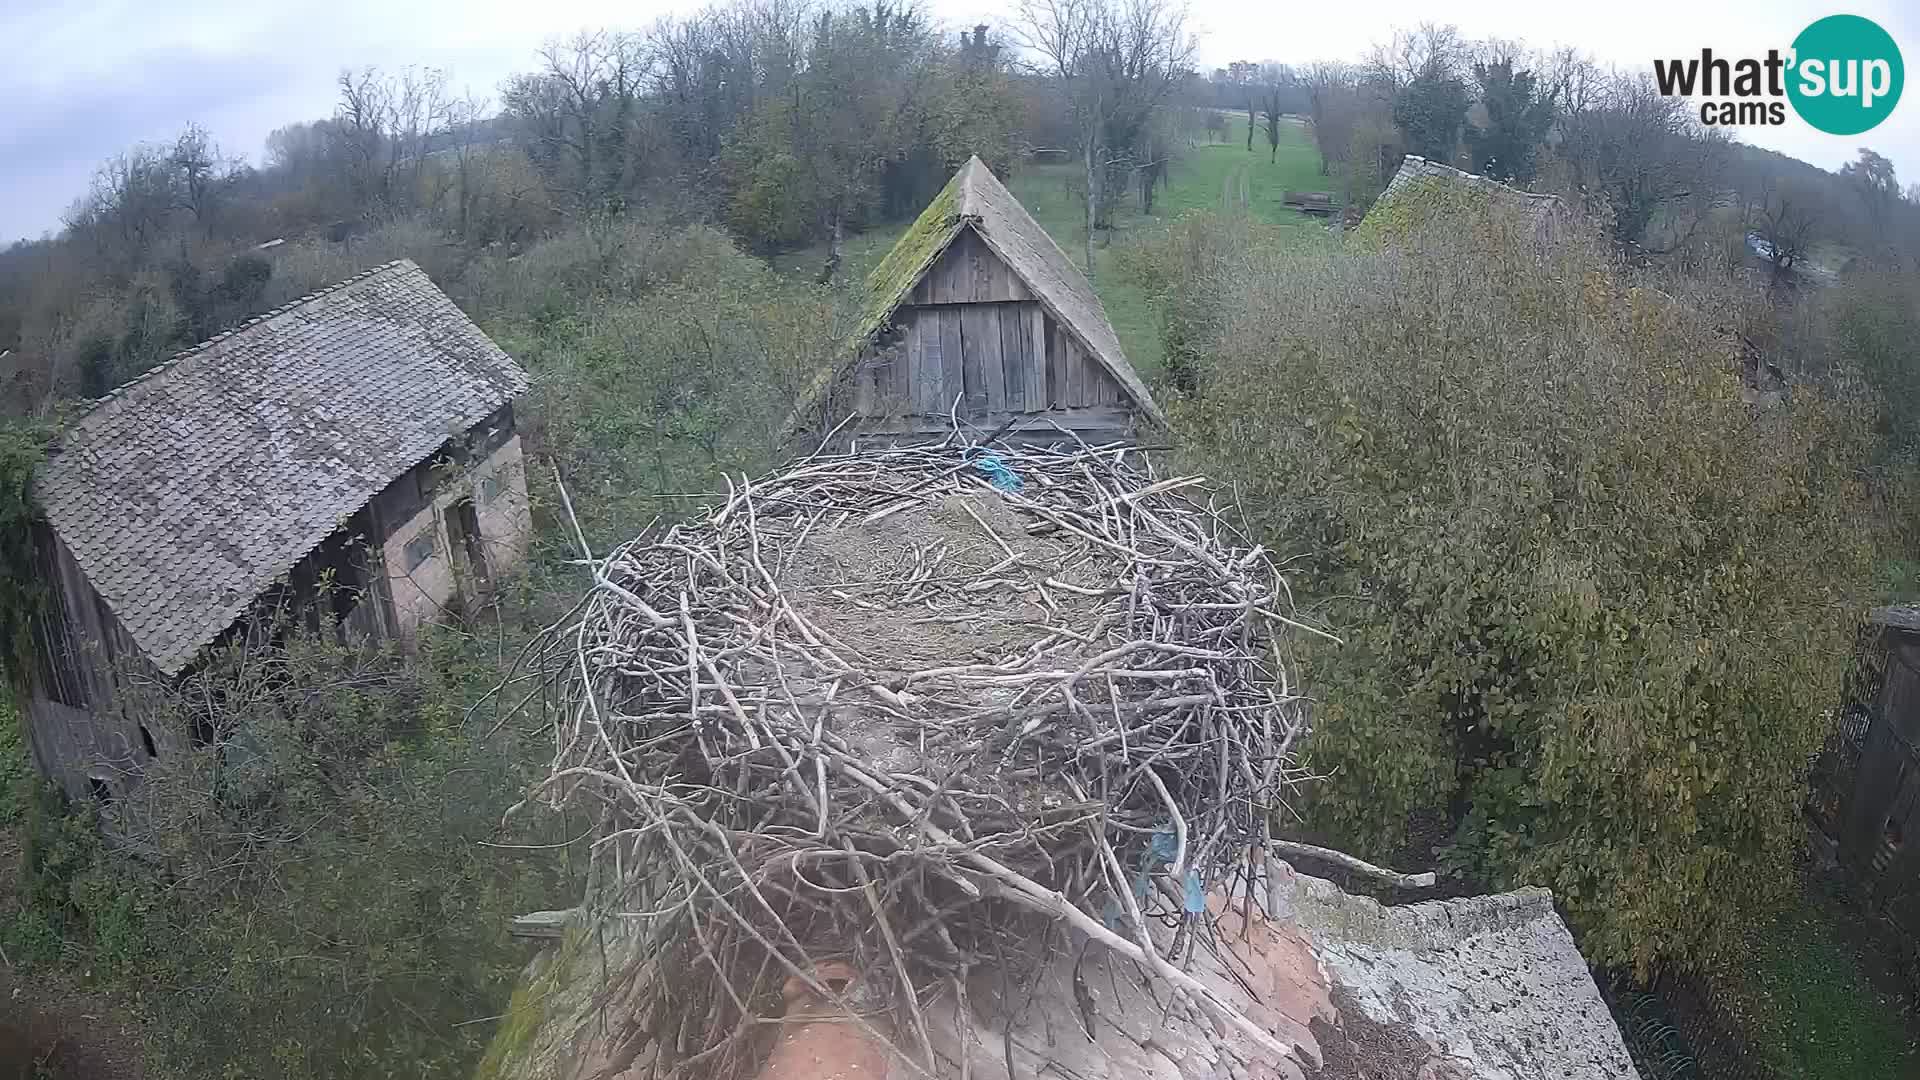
(174, 361)
(1477, 176)
(1422, 926)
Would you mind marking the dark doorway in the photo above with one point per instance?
(463, 535)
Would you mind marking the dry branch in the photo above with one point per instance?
(871, 711)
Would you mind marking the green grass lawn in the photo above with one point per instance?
(1210, 172)
(1051, 195)
(1804, 1000)
(1207, 177)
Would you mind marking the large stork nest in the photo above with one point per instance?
(877, 718)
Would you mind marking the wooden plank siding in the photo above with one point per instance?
(76, 730)
(928, 358)
(1034, 361)
(1013, 351)
(953, 372)
(971, 329)
(968, 273)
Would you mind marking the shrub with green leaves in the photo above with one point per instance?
(687, 363)
(1595, 605)
(300, 885)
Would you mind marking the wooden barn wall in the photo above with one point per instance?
(971, 330)
(81, 728)
(998, 358)
(1884, 815)
(76, 729)
(968, 272)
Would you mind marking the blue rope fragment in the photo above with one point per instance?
(998, 472)
(1162, 849)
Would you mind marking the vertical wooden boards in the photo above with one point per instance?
(980, 331)
(1036, 356)
(929, 360)
(968, 272)
(1013, 356)
(1083, 373)
(988, 272)
(1073, 369)
(952, 382)
(1015, 289)
(973, 376)
(901, 401)
(864, 376)
(1054, 365)
(1102, 387)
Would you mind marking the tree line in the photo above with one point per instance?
(791, 123)
(1668, 186)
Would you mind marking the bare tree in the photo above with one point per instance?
(1785, 228)
(578, 112)
(1270, 107)
(203, 176)
(1331, 90)
(1638, 153)
(1427, 51)
(1117, 62)
(127, 208)
(383, 128)
(465, 116)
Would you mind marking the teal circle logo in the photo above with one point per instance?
(1846, 74)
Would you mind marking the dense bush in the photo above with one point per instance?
(1594, 604)
(1181, 266)
(682, 358)
(298, 886)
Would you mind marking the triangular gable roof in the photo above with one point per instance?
(185, 493)
(976, 199)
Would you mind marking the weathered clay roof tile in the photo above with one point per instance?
(184, 493)
(1414, 169)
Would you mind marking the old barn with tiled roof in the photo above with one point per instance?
(976, 315)
(360, 439)
(1421, 186)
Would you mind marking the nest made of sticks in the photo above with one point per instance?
(876, 716)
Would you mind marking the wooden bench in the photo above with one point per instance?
(1310, 202)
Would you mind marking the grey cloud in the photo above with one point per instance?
(53, 138)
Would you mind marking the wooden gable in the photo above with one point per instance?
(972, 329)
(968, 272)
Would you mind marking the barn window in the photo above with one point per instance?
(489, 489)
(100, 790)
(146, 742)
(419, 549)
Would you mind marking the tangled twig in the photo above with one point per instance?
(876, 713)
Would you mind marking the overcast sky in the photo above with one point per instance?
(84, 79)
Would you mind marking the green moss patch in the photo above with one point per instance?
(916, 249)
(1417, 205)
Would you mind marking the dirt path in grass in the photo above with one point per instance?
(1234, 191)
(50, 1032)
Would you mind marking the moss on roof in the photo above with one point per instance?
(917, 248)
(1423, 191)
(1415, 204)
(977, 199)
